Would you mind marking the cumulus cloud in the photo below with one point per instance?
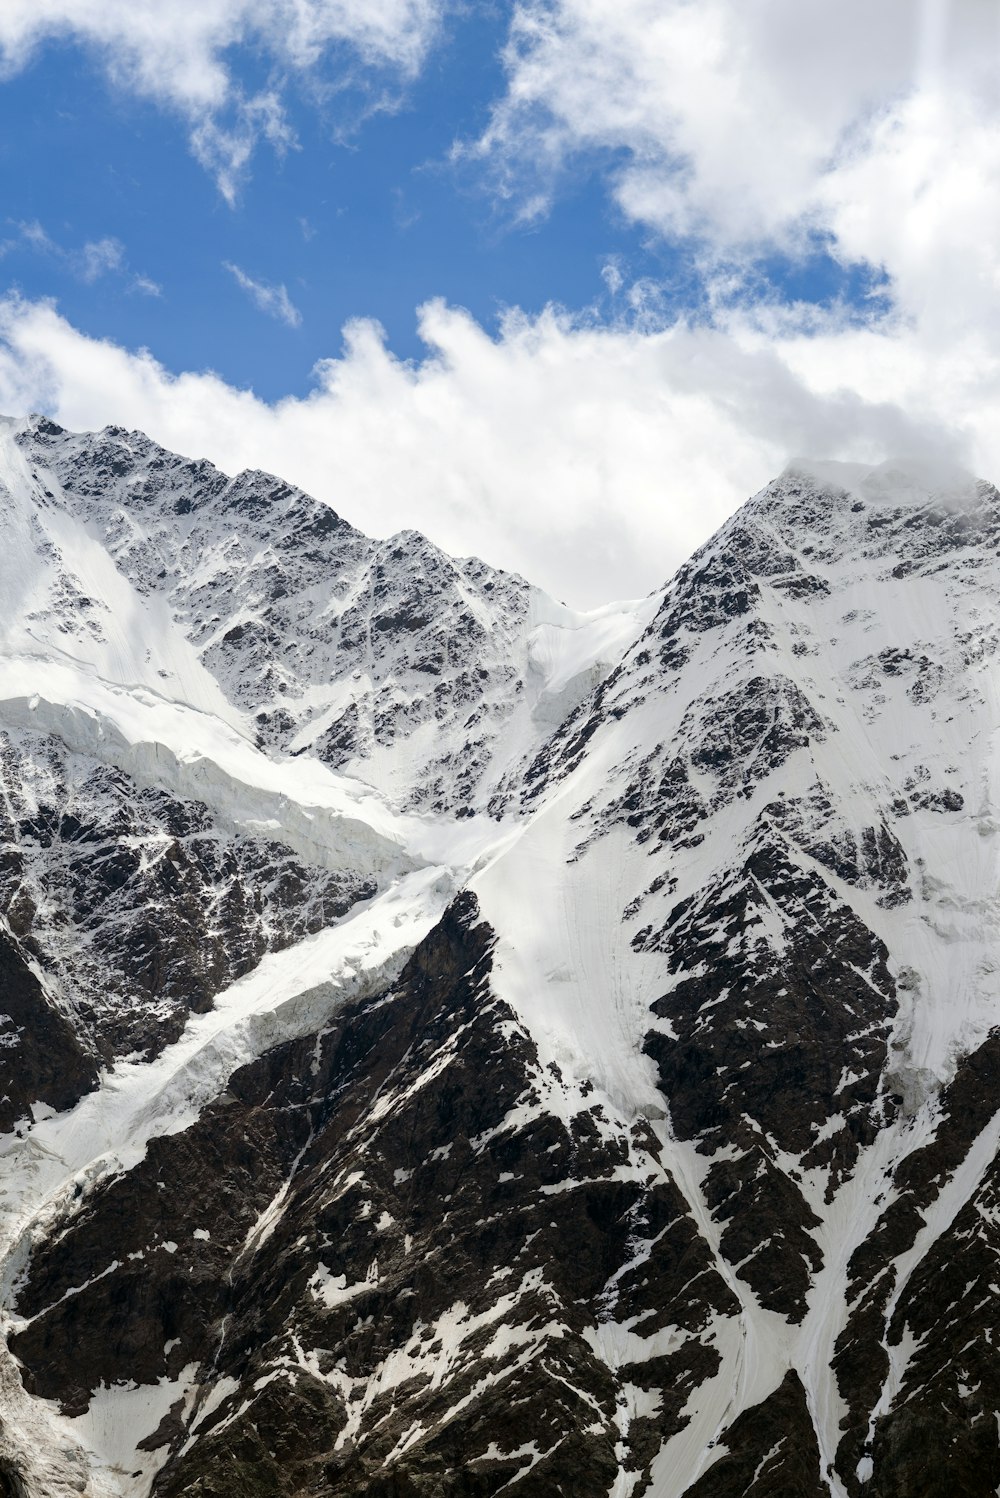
(590, 459)
(270, 299)
(181, 55)
(721, 118)
(593, 458)
(871, 132)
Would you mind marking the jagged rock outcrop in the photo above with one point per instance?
(135, 905)
(43, 1058)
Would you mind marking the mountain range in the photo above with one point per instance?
(458, 1045)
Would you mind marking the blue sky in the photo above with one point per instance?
(366, 216)
(742, 214)
(369, 214)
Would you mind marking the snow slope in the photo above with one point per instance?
(819, 680)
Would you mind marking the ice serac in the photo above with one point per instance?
(468, 1047)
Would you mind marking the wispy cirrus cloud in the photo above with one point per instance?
(268, 297)
(89, 262)
(186, 57)
(145, 286)
(224, 146)
(31, 233)
(97, 258)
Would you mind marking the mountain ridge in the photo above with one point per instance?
(265, 553)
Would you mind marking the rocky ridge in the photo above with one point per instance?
(386, 659)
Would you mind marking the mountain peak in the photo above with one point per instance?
(386, 659)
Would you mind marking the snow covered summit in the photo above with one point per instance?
(414, 671)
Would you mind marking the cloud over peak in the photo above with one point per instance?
(591, 459)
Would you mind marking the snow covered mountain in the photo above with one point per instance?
(388, 660)
(454, 1045)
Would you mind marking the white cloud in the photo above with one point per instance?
(99, 257)
(613, 274)
(595, 458)
(181, 54)
(94, 259)
(740, 129)
(226, 150)
(724, 116)
(592, 460)
(920, 196)
(267, 298)
(34, 235)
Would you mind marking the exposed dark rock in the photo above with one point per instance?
(41, 1057)
(861, 1362)
(769, 1451)
(405, 1257)
(940, 1435)
(135, 905)
(12, 1483)
(761, 1032)
(461, 1233)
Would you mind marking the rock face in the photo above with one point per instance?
(595, 1090)
(134, 904)
(385, 658)
(44, 1060)
(412, 1303)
